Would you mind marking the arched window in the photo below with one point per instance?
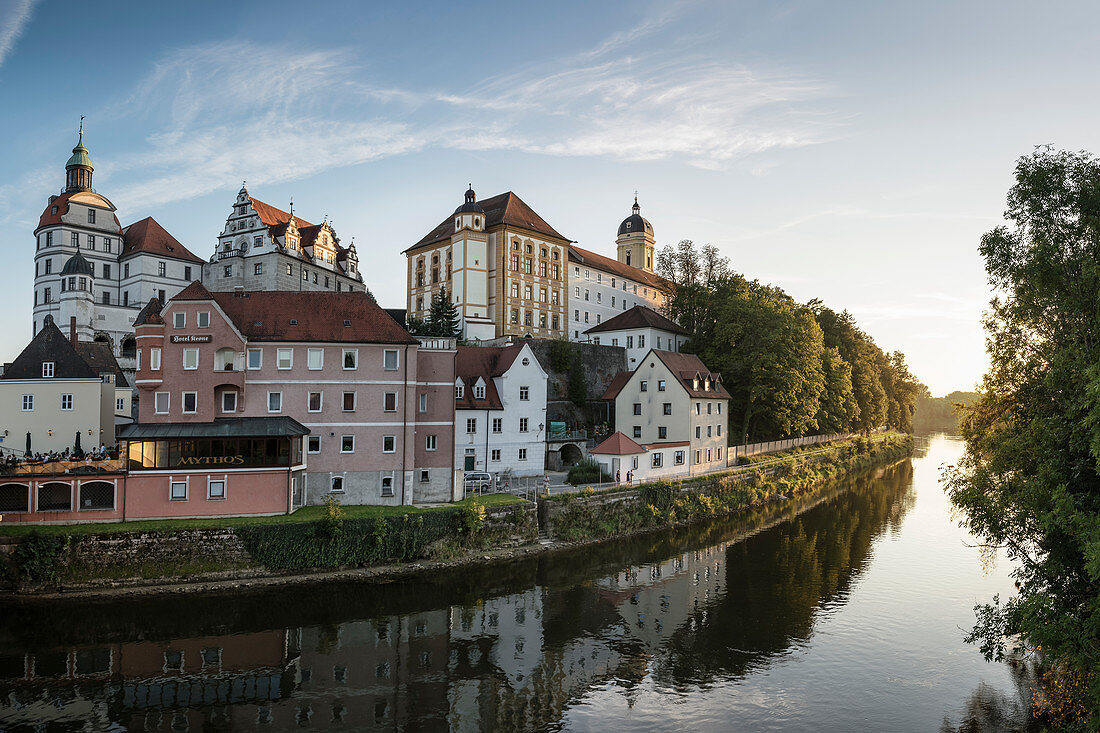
(14, 498)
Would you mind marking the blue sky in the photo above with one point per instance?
(852, 152)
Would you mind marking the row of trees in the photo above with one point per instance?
(791, 368)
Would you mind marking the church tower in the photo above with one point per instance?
(635, 242)
(78, 171)
(469, 284)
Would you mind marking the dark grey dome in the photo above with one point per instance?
(77, 265)
(635, 223)
(470, 206)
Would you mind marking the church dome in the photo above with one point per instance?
(635, 223)
(77, 265)
(470, 206)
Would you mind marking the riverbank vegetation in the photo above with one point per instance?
(791, 368)
(941, 413)
(1029, 483)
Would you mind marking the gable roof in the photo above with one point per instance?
(149, 313)
(150, 237)
(607, 264)
(484, 362)
(639, 316)
(618, 444)
(506, 208)
(99, 357)
(273, 216)
(344, 317)
(617, 383)
(686, 367)
(49, 344)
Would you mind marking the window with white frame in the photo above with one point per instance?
(315, 359)
(387, 483)
(643, 386)
(660, 385)
(28, 403)
(229, 401)
(522, 454)
(255, 358)
(351, 358)
(666, 408)
(389, 443)
(637, 408)
(66, 402)
(284, 358)
(430, 442)
(120, 404)
(425, 476)
(190, 401)
(314, 401)
(215, 489)
(471, 425)
(637, 431)
(523, 425)
(160, 403)
(336, 486)
(423, 403)
(495, 455)
(389, 402)
(347, 443)
(498, 425)
(479, 391)
(177, 491)
(525, 393)
(389, 360)
(678, 458)
(47, 370)
(348, 404)
(179, 319)
(460, 390)
(274, 401)
(313, 443)
(658, 459)
(190, 358)
(204, 319)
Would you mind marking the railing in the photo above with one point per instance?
(735, 452)
(231, 253)
(567, 435)
(54, 468)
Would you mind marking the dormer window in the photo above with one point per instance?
(460, 390)
(479, 391)
(695, 383)
(477, 222)
(47, 370)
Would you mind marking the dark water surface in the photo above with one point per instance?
(847, 617)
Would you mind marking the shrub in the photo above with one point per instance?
(586, 472)
(40, 557)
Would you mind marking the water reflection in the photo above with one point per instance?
(507, 647)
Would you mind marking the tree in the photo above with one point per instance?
(1029, 482)
(578, 386)
(838, 409)
(443, 316)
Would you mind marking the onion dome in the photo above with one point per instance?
(77, 265)
(80, 154)
(471, 206)
(635, 223)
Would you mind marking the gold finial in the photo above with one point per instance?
(81, 131)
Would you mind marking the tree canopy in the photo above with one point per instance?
(442, 318)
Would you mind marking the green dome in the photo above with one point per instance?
(80, 155)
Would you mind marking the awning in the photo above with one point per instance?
(230, 427)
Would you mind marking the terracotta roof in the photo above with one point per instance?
(150, 237)
(587, 257)
(149, 313)
(320, 316)
(272, 216)
(99, 357)
(485, 362)
(506, 208)
(617, 383)
(50, 344)
(639, 316)
(618, 444)
(686, 367)
(668, 444)
(62, 204)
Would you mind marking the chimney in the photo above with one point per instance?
(72, 330)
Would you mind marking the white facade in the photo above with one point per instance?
(597, 294)
(511, 436)
(638, 341)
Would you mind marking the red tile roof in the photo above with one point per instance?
(273, 216)
(618, 444)
(639, 316)
(484, 362)
(321, 316)
(62, 204)
(617, 383)
(686, 367)
(587, 257)
(506, 208)
(150, 237)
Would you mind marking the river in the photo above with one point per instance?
(848, 616)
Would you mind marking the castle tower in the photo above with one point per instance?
(78, 171)
(635, 242)
(470, 269)
(77, 297)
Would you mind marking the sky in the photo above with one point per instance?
(849, 151)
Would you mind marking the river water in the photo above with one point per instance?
(848, 616)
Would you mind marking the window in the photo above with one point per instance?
(389, 360)
(471, 425)
(274, 401)
(229, 401)
(284, 358)
(179, 320)
(347, 443)
(710, 433)
(641, 341)
(314, 401)
(658, 459)
(120, 404)
(629, 342)
(66, 402)
(290, 269)
(107, 272)
(178, 492)
(160, 403)
(389, 402)
(257, 242)
(525, 393)
(28, 403)
(523, 425)
(389, 443)
(47, 369)
(498, 425)
(719, 404)
(215, 490)
(643, 386)
(430, 442)
(204, 319)
(161, 269)
(678, 458)
(523, 454)
(425, 476)
(479, 391)
(228, 271)
(666, 408)
(315, 359)
(190, 358)
(351, 358)
(495, 455)
(387, 484)
(190, 401)
(709, 405)
(258, 268)
(717, 429)
(106, 244)
(74, 239)
(255, 358)
(460, 391)
(698, 432)
(637, 431)
(423, 403)
(313, 443)
(337, 485)
(637, 408)
(660, 385)
(662, 432)
(49, 266)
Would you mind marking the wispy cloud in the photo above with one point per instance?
(14, 16)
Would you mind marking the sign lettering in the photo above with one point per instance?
(191, 339)
(211, 460)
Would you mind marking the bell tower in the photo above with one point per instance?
(78, 170)
(469, 286)
(635, 242)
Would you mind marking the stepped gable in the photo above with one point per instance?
(506, 208)
(587, 257)
(150, 237)
(639, 316)
(49, 344)
(485, 362)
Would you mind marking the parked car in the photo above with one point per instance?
(478, 481)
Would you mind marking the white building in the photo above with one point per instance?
(676, 409)
(500, 410)
(601, 288)
(58, 387)
(638, 330)
(87, 266)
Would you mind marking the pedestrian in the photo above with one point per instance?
(618, 480)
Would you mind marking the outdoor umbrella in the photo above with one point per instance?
(76, 447)
(28, 451)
